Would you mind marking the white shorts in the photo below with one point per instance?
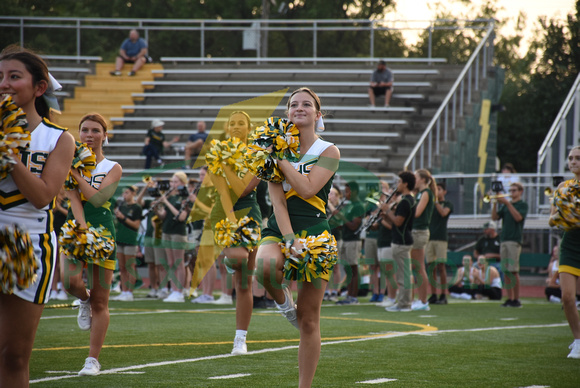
(45, 249)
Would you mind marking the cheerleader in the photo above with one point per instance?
(26, 197)
(90, 203)
(237, 193)
(569, 268)
(299, 210)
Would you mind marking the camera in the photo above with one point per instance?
(496, 186)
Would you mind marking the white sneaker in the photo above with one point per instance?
(455, 295)
(290, 312)
(396, 309)
(555, 299)
(126, 296)
(162, 293)
(575, 347)
(175, 297)
(84, 317)
(387, 302)
(203, 298)
(53, 294)
(62, 295)
(240, 346)
(116, 288)
(420, 306)
(224, 299)
(465, 296)
(152, 293)
(91, 368)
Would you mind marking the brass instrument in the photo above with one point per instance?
(548, 192)
(147, 179)
(376, 215)
(487, 198)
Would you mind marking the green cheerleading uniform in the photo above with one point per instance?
(307, 216)
(100, 216)
(570, 252)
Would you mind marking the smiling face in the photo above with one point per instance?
(92, 133)
(16, 81)
(303, 110)
(238, 126)
(574, 161)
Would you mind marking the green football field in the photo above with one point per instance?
(462, 344)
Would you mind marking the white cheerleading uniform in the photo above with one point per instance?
(15, 208)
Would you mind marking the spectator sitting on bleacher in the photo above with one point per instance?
(381, 84)
(194, 144)
(155, 143)
(133, 50)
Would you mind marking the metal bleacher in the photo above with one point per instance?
(377, 139)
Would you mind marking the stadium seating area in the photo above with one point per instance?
(180, 94)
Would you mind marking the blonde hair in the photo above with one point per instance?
(181, 176)
(426, 175)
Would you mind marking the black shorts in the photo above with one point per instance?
(380, 90)
(148, 59)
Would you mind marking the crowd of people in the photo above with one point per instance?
(402, 232)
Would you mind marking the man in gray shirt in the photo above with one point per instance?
(381, 84)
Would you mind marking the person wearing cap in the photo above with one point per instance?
(133, 50)
(128, 218)
(155, 143)
(381, 84)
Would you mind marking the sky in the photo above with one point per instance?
(419, 10)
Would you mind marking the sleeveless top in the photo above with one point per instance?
(298, 206)
(13, 205)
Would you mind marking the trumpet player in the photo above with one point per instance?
(513, 213)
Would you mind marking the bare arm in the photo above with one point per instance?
(106, 190)
(243, 186)
(421, 205)
(76, 206)
(443, 211)
(515, 214)
(308, 185)
(41, 191)
(224, 196)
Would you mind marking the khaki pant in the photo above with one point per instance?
(402, 256)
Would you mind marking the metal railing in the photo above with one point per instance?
(453, 106)
(258, 28)
(563, 134)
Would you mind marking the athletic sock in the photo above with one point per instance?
(241, 333)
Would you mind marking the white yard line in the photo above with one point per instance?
(283, 348)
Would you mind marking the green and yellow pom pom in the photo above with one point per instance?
(85, 160)
(316, 259)
(18, 264)
(225, 233)
(91, 245)
(13, 134)
(245, 233)
(231, 152)
(276, 140)
(567, 203)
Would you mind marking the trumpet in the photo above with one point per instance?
(487, 198)
(548, 192)
(146, 179)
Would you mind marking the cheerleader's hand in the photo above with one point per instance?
(297, 248)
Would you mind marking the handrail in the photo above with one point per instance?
(452, 94)
(236, 25)
(554, 131)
